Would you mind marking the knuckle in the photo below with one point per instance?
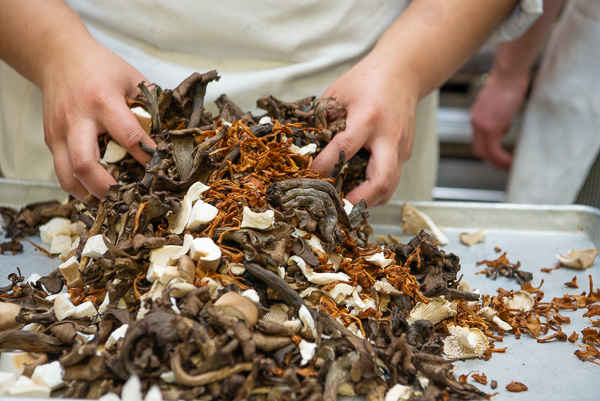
(384, 186)
(131, 138)
(81, 164)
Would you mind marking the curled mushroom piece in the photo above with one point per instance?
(206, 253)
(260, 221)
(178, 222)
(414, 220)
(465, 342)
(239, 306)
(578, 259)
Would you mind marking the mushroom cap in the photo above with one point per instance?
(472, 239)
(522, 301)
(259, 221)
(465, 342)
(239, 306)
(436, 310)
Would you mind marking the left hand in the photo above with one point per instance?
(381, 118)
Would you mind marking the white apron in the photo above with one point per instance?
(560, 134)
(289, 49)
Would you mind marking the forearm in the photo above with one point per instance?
(37, 35)
(431, 39)
(515, 59)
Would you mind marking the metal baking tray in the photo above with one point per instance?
(531, 234)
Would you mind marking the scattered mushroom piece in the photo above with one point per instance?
(95, 247)
(8, 316)
(206, 253)
(307, 351)
(465, 342)
(49, 375)
(490, 315)
(63, 307)
(70, 271)
(259, 221)
(239, 306)
(399, 392)
(385, 287)
(177, 223)
(522, 301)
(340, 292)
(143, 117)
(307, 320)
(578, 259)
(379, 259)
(472, 239)
(317, 278)
(114, 152)
(202, 213)
(25, 387)
(414, 220)
(304, 150)
(55, 226)
(436, 310)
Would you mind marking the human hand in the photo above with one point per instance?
(381, 118)
(491, 115)
(84, 95)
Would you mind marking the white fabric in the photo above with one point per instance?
(560, 135)
(289, 49)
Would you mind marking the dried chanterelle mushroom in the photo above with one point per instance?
(229, 269)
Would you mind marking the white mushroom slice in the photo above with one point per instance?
(25, 387)
(168, 377)
(76, 228)
(114, 152)
(336, 259)
(436, 310)
(206, 252)
(237, 269)
(132, 389)
(116, 335)
(578, 259)
(7, 380)
(179, 288)
(63, 307)
(353, 328)
(15, 361)
(178, 222)
(281, 271)
(143, 117)
(358, 304)
(385, 287)
(109, 397)
(185, 269)
(423, 380)
(33, 279)
(259, 221)
(185, 248)
(159, 259)
(154, 394)
(252, 295)
(104, 305)
(307, 321)
(308, 292)
(490, 315)
(84, 310)
(239, 306)
(307, 351)
(60, 244)
(472, 239)
(379, 259)
(304, 150)
(213, 286)
(414, 220)
(340, 292)
(465, 342)
(55, 226)
(70, 271)
(202, 213)
(400, 393)
(348, 206)
(49, 375)
(95, 247)
(34, 327)
(264, 120)
(317, 278)
(522, 301)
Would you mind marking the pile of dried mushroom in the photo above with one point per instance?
(228, 269)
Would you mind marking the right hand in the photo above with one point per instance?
(492, 114)
(84, 95)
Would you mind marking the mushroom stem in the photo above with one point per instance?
(184, 378)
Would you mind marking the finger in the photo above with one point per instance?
(64, 172)
(347, 141)
(84, 157)
(497, 156)
(124, 128)
(382, 176)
